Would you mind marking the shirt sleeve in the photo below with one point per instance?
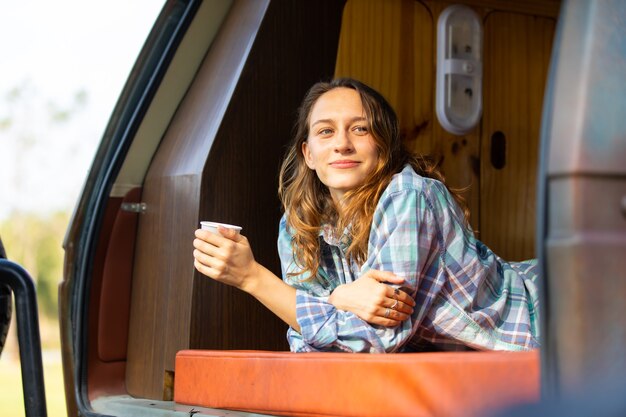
(394, 245)
(405, 239)
(323, 327)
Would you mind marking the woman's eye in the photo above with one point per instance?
(325, 132)
(360, 129)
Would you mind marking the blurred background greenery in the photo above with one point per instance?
(64, 64)
(33, 240)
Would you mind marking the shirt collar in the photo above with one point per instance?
(329, 235)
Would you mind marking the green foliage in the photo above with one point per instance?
(35, 242)
(11, 395)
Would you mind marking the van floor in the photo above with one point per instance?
(127, 406)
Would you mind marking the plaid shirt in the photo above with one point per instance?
(466, 296)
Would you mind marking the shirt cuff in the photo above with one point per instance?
(317, 319)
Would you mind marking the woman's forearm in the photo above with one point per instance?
(227, 257)
(274, 294)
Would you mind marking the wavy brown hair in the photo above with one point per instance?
(307, 201)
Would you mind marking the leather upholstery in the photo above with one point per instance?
(341, 384)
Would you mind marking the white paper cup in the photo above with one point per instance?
(212, 227)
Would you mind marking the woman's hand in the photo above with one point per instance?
(373, 301)
(226, 257)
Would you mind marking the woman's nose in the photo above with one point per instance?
(343, 143)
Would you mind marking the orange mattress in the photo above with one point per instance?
(341, 384)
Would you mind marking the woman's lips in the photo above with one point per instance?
(344, 164)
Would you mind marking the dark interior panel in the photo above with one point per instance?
(240, 180)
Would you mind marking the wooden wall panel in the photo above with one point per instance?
(219, 161)
(391, 45)
(517, 54)
(398, 58)
(388, 45)
(163, 273)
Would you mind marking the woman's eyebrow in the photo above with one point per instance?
(358, 119)
(321, 121)
(331, 121)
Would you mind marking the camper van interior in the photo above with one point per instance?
(198, 134)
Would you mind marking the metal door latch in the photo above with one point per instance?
(134, 207)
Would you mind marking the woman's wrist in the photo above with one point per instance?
(335, 297)
(251, 282)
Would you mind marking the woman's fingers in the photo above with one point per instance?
(210, 266)
(207, 236)
(229, 233)
(226, 258)
(385, 276)
(400, 307)
(398, 294)
(202, 246)
(210, 262)
(204, 269)
(394, 293)
(202, 257)
(214, 245)
(228, 239)
(388, 317)
(208, 242)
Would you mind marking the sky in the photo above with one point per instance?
(63, 64)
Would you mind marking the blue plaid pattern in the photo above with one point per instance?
(467, 297)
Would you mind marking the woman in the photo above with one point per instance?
(376, 252)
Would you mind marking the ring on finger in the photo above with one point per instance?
(393, 306)
(387, 312)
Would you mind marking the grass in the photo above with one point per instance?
(12, 396)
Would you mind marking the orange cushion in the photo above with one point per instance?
(341, 384)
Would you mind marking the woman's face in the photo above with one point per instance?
(340, 147)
